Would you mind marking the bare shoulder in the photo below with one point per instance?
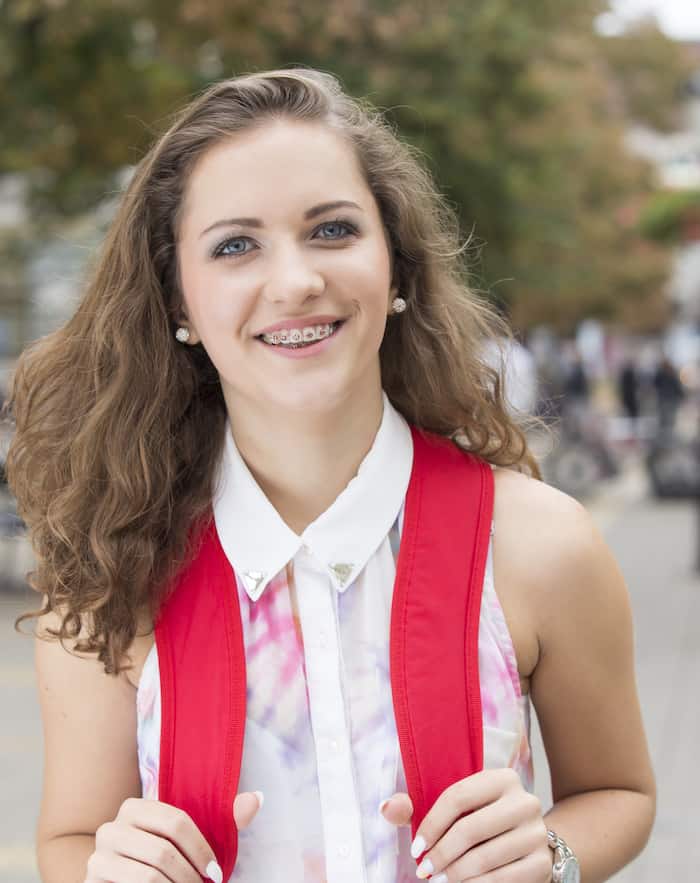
(547, 542)
(89, 719)
(541, 523)
(135, 656)
(550, 562)
(571, 616)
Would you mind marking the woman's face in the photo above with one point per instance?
(266, 248)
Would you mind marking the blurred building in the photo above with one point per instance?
(42, 269)
(676, 157)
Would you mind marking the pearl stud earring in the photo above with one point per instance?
(182, 334)
(398, 305)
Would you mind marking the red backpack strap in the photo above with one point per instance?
(434, 652)
(203, 688)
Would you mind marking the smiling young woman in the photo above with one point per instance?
(277, 501)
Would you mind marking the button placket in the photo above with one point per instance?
(339, 800)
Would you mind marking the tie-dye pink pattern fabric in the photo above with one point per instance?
(285, 843)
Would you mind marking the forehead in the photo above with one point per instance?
(279, 167)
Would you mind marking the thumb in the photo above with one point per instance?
(246, 806)
(398, 809)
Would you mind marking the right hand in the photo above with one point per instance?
(153, 842)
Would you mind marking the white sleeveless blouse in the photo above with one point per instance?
(320, 737)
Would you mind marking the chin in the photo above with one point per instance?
(316, 402)
(322, 395)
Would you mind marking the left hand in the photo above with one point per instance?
(503, 839)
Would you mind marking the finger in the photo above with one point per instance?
(398, 809)
(466, 796)
(500, 851)
(511, 812)
(536, 867)
(175, 825)
(115, 867)
(149, 849)
(246, 806)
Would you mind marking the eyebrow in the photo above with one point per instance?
(308, 214)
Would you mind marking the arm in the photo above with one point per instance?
(90, 761)
(583, 682)
(94, 826)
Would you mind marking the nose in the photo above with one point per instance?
(292, 277)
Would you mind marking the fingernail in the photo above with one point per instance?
(424, 869)
(441, 878)
(214, 872)
(383, 804)
(418, 846)
(261, 798)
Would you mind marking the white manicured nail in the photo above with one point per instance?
(424, 869)
(418, 846)
(261, 798)
(214, 872)
(441, 878)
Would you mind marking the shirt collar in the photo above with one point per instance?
(258, 543)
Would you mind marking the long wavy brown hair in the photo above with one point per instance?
(118, 428)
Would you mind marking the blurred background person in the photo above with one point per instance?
(628, 386)
(669, 394)
(576, 385)
(517, 367)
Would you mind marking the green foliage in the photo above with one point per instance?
(510, 102)
(668, 214)
(649, 73)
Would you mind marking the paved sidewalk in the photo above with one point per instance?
(20, 747)
(655, 546)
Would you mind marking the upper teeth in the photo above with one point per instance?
(299, 335)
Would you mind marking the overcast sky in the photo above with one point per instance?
(678, 18)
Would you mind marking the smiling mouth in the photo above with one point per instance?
(297, 338)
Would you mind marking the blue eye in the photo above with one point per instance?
(221, 248)
(344, 227)
(342, 224)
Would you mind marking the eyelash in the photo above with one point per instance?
(218, 252)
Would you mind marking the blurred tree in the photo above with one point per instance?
(78, 81)
(15, 292)
(510, 103)
(672, 216)
(649, 72)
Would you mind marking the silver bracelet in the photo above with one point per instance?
(566, 867)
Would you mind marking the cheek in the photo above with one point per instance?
(372, 273)
(374, 310)
(209, 302)
(192, 286)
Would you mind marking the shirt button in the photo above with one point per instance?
(334, 746)
(343, 850)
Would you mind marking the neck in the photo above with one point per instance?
(301, 461)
